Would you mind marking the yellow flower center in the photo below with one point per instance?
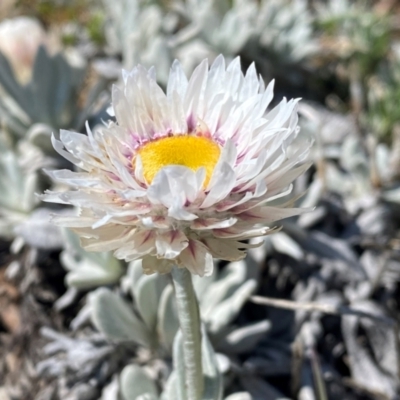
(192, 152)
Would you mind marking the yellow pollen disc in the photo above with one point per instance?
(192, 152)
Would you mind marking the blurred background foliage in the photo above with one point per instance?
(75, 325)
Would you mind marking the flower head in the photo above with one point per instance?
(186, 175)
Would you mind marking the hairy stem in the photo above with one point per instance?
(189, 321)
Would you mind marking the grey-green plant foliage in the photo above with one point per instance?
(221, 297)
(383, 93)
(284, 29)
(48, 99)
(155, 33)
(141, 310)
(135, 383)
(361, 35)
(87, 269)
(19, 181)
(152, 321)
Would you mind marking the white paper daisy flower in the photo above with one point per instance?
(183, 176)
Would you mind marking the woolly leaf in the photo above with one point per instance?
(135, 384)
(112, 316)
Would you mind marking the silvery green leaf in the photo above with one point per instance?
(8, 221)
(213, 387)
(67, 299)
(202, 283)
(135, 384)
(88, 269)
(137, 30)
(314, 193)
(336, 180)
(18, 176)
(239, 396)
(167, 319)
(224, 27)
(286, 245)
(112, 316)
(226, 311)
(353, 157)
(37, 231)
(147, 293)
(110, 392)
(362, 365)
(244, 338)
(392, 195)
(147, 396)
(281, 26)
(170, 391)
(86, 274)
(49, 98)
(19, 181)
(232, 277)
(7, 79)
(223, 362)
(372, 364)
(39, 134)
(135, 272)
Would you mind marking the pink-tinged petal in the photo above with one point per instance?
(267, 215)
(265, 199)
(229, 250)
(153, 265)
(73, 221)
(54, 197)
(140, 244)
(197, 259)
(107, 238)
(81, 179)
(241, 234)
(288, 177)
(155, 222)
(170, 244)
(212, 223)
(229, 203)
(178, 212)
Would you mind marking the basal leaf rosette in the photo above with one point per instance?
(183, 176)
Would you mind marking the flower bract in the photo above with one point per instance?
(186, 174)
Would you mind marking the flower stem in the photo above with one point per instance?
(189, 321)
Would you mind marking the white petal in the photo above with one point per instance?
(225, 249)
(196, 91)
(223, 182)
(59, 148)
(141, 243)
(177, 81)
(152, 265)
(197, 259)
(212, 223)
(267, 215)
(170, 244)
(174, 187)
